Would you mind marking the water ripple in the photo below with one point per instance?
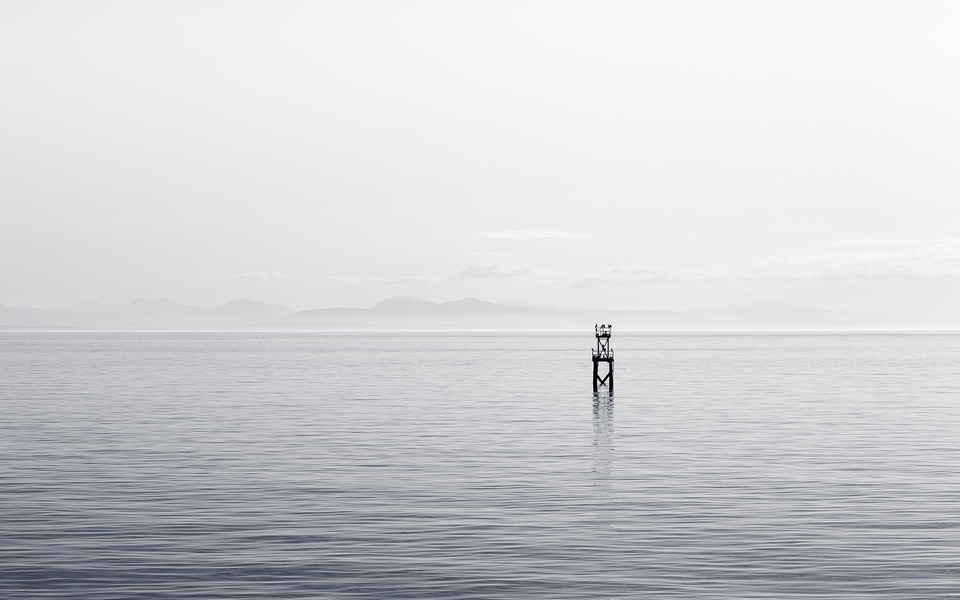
(478, 466)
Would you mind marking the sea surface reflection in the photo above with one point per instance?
(220, 465)
(603, 435)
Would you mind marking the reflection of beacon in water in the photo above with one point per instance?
(603, 436)
(603, 354)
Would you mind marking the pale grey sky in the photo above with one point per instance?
(607, 154)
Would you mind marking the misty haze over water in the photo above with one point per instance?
(408, 313)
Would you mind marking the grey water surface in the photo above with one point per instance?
(429, 465)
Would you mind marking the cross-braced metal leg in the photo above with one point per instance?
(599, 380)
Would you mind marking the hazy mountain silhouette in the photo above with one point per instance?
(404, 312)
(44, 318)
(143, 313)
(409, 313)
(246, 310)
(148, 310)
(403, 304)
(779, 315)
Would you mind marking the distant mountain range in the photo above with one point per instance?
(407, 313)
(139, 314)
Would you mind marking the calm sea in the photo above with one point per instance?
(289, 465)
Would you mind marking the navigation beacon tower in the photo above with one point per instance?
(602, 354)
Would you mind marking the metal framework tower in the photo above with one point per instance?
(602, 354)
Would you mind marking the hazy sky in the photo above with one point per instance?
(608, 154)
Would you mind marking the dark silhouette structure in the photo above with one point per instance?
(602, 354)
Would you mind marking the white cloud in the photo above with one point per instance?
(517, 234)
(261, 276)
(870, 259)
(404, 279)
(363, 279)
(884, 243)
(480, 270)
(487, 254)
(477, 270)
(372, 279)
(653, 275)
